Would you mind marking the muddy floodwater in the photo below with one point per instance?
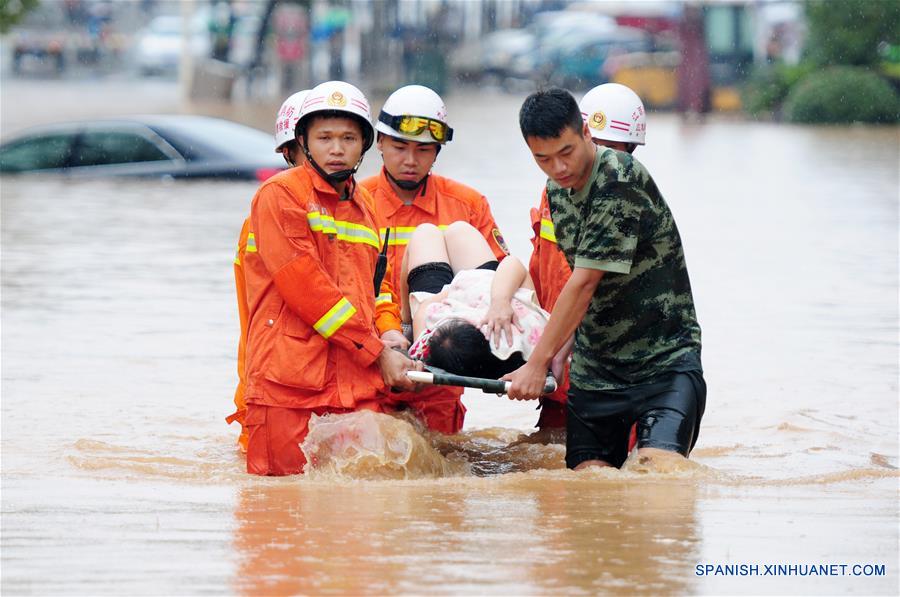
(119, 330)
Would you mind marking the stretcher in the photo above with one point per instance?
(439, 377)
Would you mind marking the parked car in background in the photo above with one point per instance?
(491, 55)
(585, 62)
(558, 32)
(158, 47)
(39, 50)
(148, 146)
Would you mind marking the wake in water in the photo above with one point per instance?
(371, 446)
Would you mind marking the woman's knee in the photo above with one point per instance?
(460, 228)
(425, 245)
(426, 230)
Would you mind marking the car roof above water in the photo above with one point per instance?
(192, 135)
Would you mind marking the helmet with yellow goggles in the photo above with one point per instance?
(414, 126)
(415, 113)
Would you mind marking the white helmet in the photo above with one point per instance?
(614, 112)
(338, 96)
(287, 117)
(415, 113)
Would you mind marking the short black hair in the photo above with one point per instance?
(547, 112)
(459, 347)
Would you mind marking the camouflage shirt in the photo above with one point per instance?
(641, 321)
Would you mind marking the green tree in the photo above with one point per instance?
(849, 31)
(12, 11)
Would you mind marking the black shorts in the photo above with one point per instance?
(432, 277)
(667, 412)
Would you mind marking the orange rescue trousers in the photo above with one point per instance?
(275, 435)
(438, 408)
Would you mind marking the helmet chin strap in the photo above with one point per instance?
(408, 185)
(333, 178)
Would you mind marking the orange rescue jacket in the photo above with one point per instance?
(387, 317)
(311, 335)
(549, 270)
(246, 242)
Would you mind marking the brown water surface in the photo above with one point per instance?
(118, 355)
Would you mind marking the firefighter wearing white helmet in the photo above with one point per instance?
(412, 128)
(320, 322)
(615, 116)
(335, 101)
(285, 124)
(417, 114)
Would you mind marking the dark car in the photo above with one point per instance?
(148, 146)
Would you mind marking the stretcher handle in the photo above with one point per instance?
(439, 377)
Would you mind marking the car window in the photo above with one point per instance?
(202, 138)
(36, 153)
(97, 148)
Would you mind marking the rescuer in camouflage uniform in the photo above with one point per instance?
(637, 347)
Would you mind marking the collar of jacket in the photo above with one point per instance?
(324, 187)
(426, 202)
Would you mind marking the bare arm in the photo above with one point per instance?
(510, 276)
(572, 304)
(500, 318)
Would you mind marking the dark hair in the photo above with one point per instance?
(459, 347)
(545, 113)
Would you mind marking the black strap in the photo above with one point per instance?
(381, 264)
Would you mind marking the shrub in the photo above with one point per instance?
(769, 85)
(843, 94)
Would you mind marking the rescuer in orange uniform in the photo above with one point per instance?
(312, 345)
(616, 118)
(412, 128)
(286, 144)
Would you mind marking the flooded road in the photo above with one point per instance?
(119, 330)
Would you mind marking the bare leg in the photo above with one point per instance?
(591, 464)
(425, 246)
(660, 460)
(466, 247)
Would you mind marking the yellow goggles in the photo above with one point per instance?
(416, 125)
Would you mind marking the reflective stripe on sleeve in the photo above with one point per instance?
(337, 316)
(251, 243)
(548, 231)
(384, 297)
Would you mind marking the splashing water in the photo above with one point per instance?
(370, 445)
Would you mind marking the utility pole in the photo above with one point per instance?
(186, 66)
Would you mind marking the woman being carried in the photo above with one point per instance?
(470, 314)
